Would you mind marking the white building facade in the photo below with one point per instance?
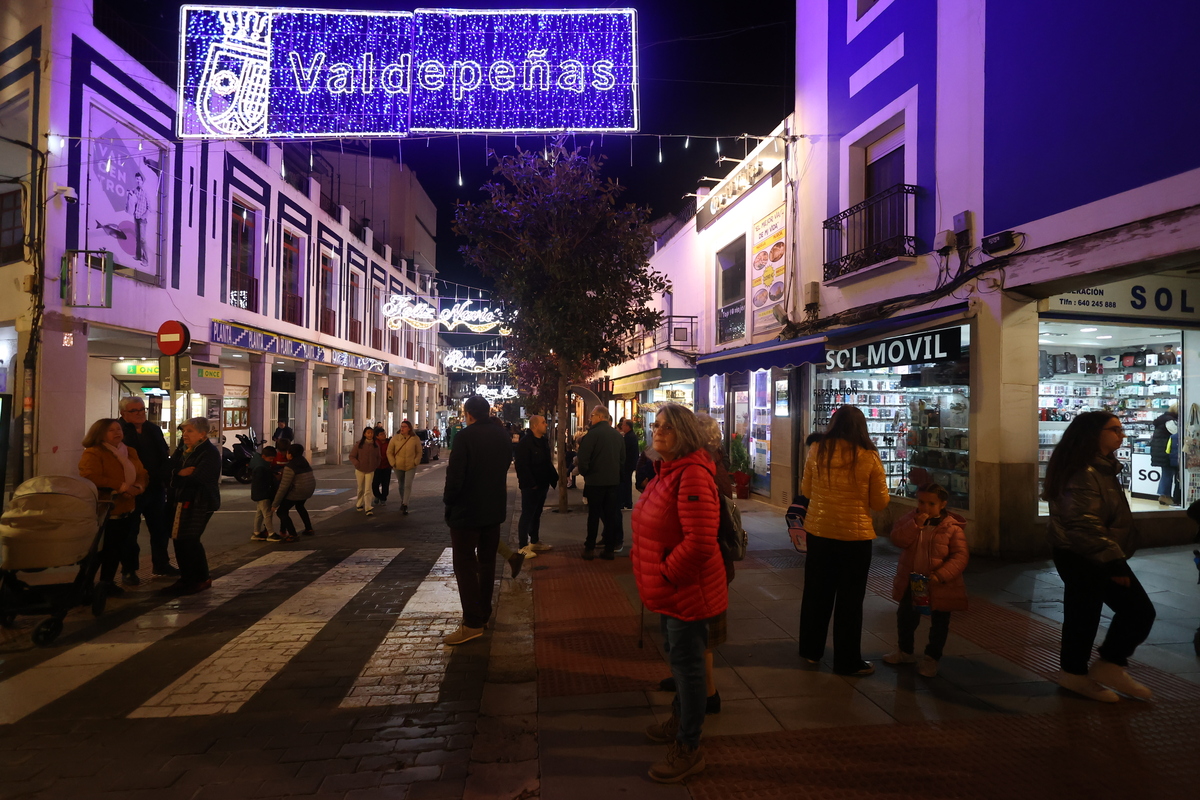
(283, 291)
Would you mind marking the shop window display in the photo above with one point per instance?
(918, 415)
(1135, 373)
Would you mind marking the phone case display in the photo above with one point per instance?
(1137, 394)
(921, 431)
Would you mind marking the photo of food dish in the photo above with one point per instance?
(777, 251)
(760, 259)
(777, 290)
(760, 297)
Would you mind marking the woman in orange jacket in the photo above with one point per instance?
(109, 464)
(844, 481)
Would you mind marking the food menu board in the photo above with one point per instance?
(768, 259)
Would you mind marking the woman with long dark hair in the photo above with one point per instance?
(1091, 530)
(844, 481)
(365, 458)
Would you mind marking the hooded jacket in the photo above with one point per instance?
(1091, 516)
(297, 483)
(535, 468)
(262, 478)
(676, 560)
(948, 557)
(842, 498)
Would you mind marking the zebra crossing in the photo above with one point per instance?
(407, 666)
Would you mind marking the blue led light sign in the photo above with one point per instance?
(278, 73)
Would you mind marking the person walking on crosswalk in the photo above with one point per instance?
(476, 498)
(365, 458)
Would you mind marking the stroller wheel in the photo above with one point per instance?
(47, 631)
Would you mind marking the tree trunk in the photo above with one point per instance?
(563, 432)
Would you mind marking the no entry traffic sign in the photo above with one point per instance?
(173, 338)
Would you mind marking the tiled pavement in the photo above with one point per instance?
(325, 678)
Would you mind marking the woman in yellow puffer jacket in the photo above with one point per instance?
(844, 481)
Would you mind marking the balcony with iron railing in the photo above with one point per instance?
(675, 333)
(880, 228)
(328, 321)
(293, 308)
(243, 290)
(377, 246)
(357, 230)
(328, 206)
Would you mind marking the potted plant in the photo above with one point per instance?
(739, 460)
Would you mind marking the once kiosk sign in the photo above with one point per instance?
(916, 348)
(278, 73)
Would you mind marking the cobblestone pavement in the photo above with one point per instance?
(316, 670)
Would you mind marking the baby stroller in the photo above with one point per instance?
(49, 543)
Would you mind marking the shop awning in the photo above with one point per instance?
(650, 379)
(764, 355)
(811, 349)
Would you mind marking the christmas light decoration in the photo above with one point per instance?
(420, 314)
(252, 73)
(458, 361)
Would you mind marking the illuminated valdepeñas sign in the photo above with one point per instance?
(277, 73)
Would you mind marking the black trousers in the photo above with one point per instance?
(474, 553)
(117, 533)
(907, 620)
(152, 507)
(1088, 587)
(286, 528)
(604, 505)
(835, 582)
(381, 484)
(530, 523)
(627, 488)
(189, 552)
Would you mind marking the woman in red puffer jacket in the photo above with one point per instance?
(680, 575)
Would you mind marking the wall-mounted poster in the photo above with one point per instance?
(125, 179)
(768, 268)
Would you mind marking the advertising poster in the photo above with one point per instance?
(124, 193)
(768, 268)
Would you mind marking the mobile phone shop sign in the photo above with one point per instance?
(263, 73)
(916, 348)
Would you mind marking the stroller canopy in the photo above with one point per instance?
(51, 522)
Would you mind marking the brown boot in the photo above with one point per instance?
(681, 761)
(663, 732)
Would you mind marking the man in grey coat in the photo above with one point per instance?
(601, 458)
(476, 498)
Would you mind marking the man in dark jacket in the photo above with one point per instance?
(195, 497)
(535, 475)
(283, 431)
(476, 498)
(601, 457)
(632, 451)
(146, 438)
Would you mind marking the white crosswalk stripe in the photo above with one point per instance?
(38, 686)
(224, 681)
(408, 667)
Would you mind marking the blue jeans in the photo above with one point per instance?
(1168, 480)
(685, 643)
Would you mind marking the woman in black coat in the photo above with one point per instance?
(1164, 454)
(195, 495)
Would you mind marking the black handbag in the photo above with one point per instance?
(1045, 365)
(1139, 358)
(1060, 363)
(1072, 362)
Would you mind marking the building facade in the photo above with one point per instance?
(113, 226)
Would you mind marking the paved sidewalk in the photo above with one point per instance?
(992, 724)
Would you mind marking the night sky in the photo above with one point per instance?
(706, 69)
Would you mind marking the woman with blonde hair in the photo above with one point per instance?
(109, 464)
(844, 481)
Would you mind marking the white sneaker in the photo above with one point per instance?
(928, 667)
(528, 551)
(1082, 684)
(1109, 674)
(899, 657)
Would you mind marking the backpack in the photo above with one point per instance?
(731, 536)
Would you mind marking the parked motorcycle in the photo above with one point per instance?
(235, 462)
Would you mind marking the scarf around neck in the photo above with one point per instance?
(121, 451)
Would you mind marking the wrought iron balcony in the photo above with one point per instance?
(675, 333)
(877, 229)
(328, 206)
(243, 290)
(293, 308)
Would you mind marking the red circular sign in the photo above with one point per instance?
(173, 338)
